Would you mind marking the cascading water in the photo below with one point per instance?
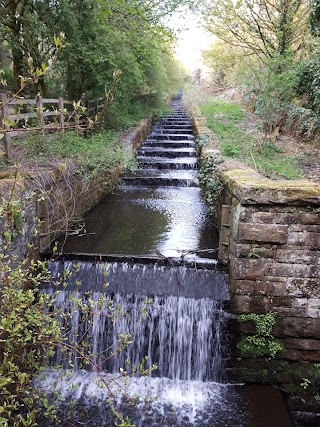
(184, 337)
(128, 317)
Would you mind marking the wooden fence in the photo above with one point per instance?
(50, 114)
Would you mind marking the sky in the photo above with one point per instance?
(191, 40)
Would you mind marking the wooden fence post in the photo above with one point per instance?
(40, 112)
(4, 112)
(61, 114)
(44, 234)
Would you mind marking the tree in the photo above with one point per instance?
(28, 28)
(100, 36)
(315, 17)
(262, 27)
(222, 60)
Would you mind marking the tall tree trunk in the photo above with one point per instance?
(17, 59)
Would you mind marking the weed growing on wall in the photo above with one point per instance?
(200, 142)
(210, 184)
(263, 342)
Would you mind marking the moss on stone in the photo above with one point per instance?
(248, 186)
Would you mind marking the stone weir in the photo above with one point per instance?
(156, 214)
(176, 313)
(270, 242)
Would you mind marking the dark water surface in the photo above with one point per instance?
(146, 221)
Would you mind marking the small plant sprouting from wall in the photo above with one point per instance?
(263, 342)
(201, 141)
(210, 184)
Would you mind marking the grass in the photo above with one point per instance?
(224, 119)
(219, 107)
(100, 151)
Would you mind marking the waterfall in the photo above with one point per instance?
(142, 279)
(182, 336)
(128, 317)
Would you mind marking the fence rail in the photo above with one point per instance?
(44, 109)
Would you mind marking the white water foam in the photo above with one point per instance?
(174, 402)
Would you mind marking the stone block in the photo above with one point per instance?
(316, 240)
(311, 218)
(224, 235)
(271, 288)
(300, 355)
(287, 307)
(288, 218)
(243, 287)
(289, 311)
(298, 228)
(285, 302)
(268, 233)
(240, 250)
(223, 254)
(246, 214)
(225, 214)
(298, 327)
(264, 217)
(288, 270)
(302, 344)
(314, 271)
(313, 228)
(296, 256)
(246, 327)
(298, 218)
(259, 304)
(310, 305)
(247, 269)
(300, 238)
(253, 251)
(303, 287)
(240, 304)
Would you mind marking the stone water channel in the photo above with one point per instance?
(152, 243)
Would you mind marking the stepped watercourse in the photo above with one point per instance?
(145, 264)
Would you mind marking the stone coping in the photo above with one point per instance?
(248, 185)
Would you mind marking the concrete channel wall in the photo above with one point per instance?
(270, 243)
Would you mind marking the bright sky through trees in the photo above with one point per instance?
(192, 39)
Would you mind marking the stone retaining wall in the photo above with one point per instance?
(66, 196)
(270, 242)
(71, 196)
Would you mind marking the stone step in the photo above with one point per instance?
(169, 152)
(176, 117)
(171, 136)
(171, 130)
(163, 173)
(166, 144)
(159, 181)
(180, 163)
(173, 125)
